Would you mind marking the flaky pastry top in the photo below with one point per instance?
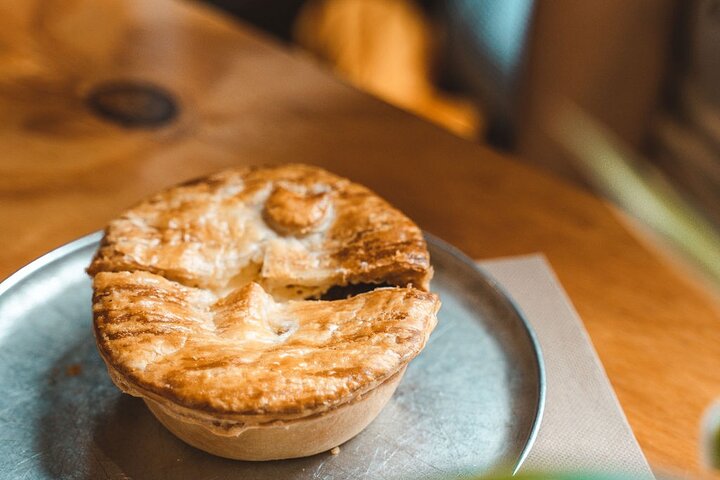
(206, 295)
(247, 354)
(294, 229)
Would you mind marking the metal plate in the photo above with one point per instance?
(469, 403)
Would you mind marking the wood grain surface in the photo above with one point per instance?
(65, 172)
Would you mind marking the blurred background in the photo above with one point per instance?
(619, 97)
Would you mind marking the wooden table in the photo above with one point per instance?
(65, 171)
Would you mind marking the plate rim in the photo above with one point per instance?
(47, 258)
(95, 237)
(527, 327)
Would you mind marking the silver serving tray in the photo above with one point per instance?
(471, 402)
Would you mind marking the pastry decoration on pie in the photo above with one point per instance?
(262, 313)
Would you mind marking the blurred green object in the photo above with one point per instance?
(638, 189)
(553, 476)
(710, 436)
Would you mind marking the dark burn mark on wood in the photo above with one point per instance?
(133, 104)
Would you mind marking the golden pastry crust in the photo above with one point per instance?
(246, 355)
(200, 297)
(296, 230)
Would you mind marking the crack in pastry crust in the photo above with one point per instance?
(200, 295)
